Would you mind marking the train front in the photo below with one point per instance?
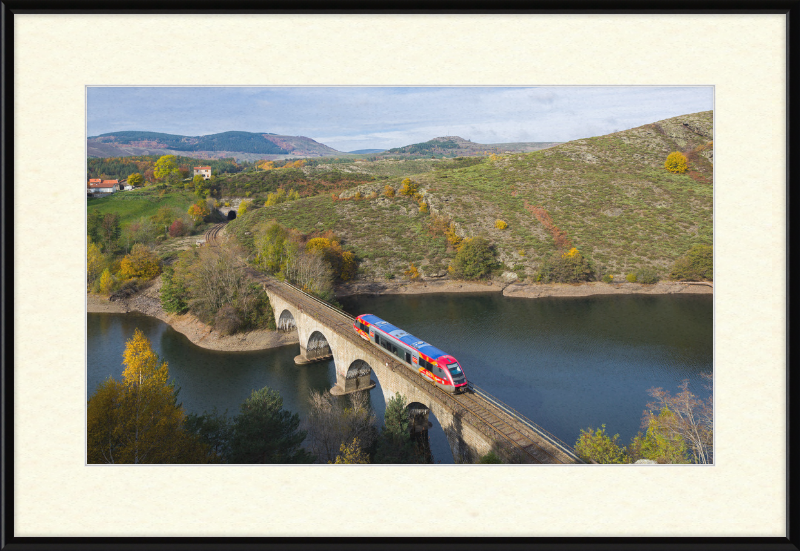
(451, 366)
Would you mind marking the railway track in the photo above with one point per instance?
(212, 233)
(508, 427)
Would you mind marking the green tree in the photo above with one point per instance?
(596, 445)
(214, 430)
(696, 265)
(135, 179)
(264, 432)
(474, 259)
(659, 443)
(166, 166)
(109, 231)
(138, 420)
(173, 293)
(394, 443)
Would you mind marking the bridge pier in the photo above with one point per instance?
(353, 385)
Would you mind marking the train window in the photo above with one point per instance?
(454, 368)
(363, 327)
(408, 357)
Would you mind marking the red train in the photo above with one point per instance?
(430, 362)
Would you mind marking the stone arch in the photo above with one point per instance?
(317, 346)
(286, 322)
(357, 376)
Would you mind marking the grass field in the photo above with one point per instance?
(134, 204)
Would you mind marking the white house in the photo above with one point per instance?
(96, 185)
(204, 171)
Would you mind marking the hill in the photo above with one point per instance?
(609, 196)
(245, 146)
(365, 151)
(455, 146)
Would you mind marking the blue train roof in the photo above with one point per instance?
(407, 338)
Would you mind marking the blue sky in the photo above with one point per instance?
(350, 118)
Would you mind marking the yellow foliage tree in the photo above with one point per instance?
(423, 207)
(94, 260)
(141, 263)
(500, 224)
(388, 191)
(198, 211)
(106, 282)
(266, 165)
(676, 162)
(351, 454)
(244, 206)
(452, 237)
(138, 420)
(412, 273)
(408, 188)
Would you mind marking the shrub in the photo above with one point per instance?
(608, 278)
(423, 207)
(568, 267)
(676, 162)
(177, 228)
(631, 278)
(244, 206)
(227, 320)
(490, 457)
(500, 224)
(648, 276)
(408, 188)
(412, 273)
(596, 445)
(474, 259)
(141, 263)
(697, 264)
(388, 191)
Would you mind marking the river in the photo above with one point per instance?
(566, 363)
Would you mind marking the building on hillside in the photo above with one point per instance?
(100, 187)
(128, 187)
(204, 171)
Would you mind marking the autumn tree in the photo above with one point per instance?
(408, 188)
(106, 282)
(166, 166)
(264, 432)
(138, 420)
(351, 453)
(244, 206)
(177, 228)
(141, 263)
(594, 445)
(198, 211)
(334, 422)
(658, 443)
(135, 180)
(94, 261)
(676, 162)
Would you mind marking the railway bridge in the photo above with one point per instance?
(474, 422)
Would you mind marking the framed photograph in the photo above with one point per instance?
(67, 77)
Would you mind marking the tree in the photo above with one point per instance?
(166, 166)
(214, 430)
(109, 231)
(141, 263)
(395, 444)
(695, 265)
(351, 454)
(244, 206)
(684, 416)
(135, 179)
(659, 443)
(94, 261)
(333, 422)
(264, 432)
(138, 420)
(106, 283)
(177, 228)
(596, 445)
(173, 293)
(198, 211)
(93, 223)
(676, 162)
(408, 188)
(474, 259)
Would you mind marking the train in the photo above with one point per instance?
(431, 363)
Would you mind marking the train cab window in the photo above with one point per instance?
(363, 327)
(454, 368)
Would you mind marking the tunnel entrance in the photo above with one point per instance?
(231, 215)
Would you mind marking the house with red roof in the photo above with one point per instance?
(97, 186)
(204, 171)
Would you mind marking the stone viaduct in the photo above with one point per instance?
(473, 426)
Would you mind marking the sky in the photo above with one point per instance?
(351, 118)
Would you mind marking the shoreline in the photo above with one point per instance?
(147, 302)
(523, 290)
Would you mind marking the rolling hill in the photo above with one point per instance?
(455, 146)
(610, 196)
(244, 146)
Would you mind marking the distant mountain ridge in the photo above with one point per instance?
(246, 146)
(456, 146)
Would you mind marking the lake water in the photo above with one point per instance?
(565, 363)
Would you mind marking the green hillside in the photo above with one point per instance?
(609, 196)
(135, 204)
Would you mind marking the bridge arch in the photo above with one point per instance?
(286, 322)
(317, 346)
